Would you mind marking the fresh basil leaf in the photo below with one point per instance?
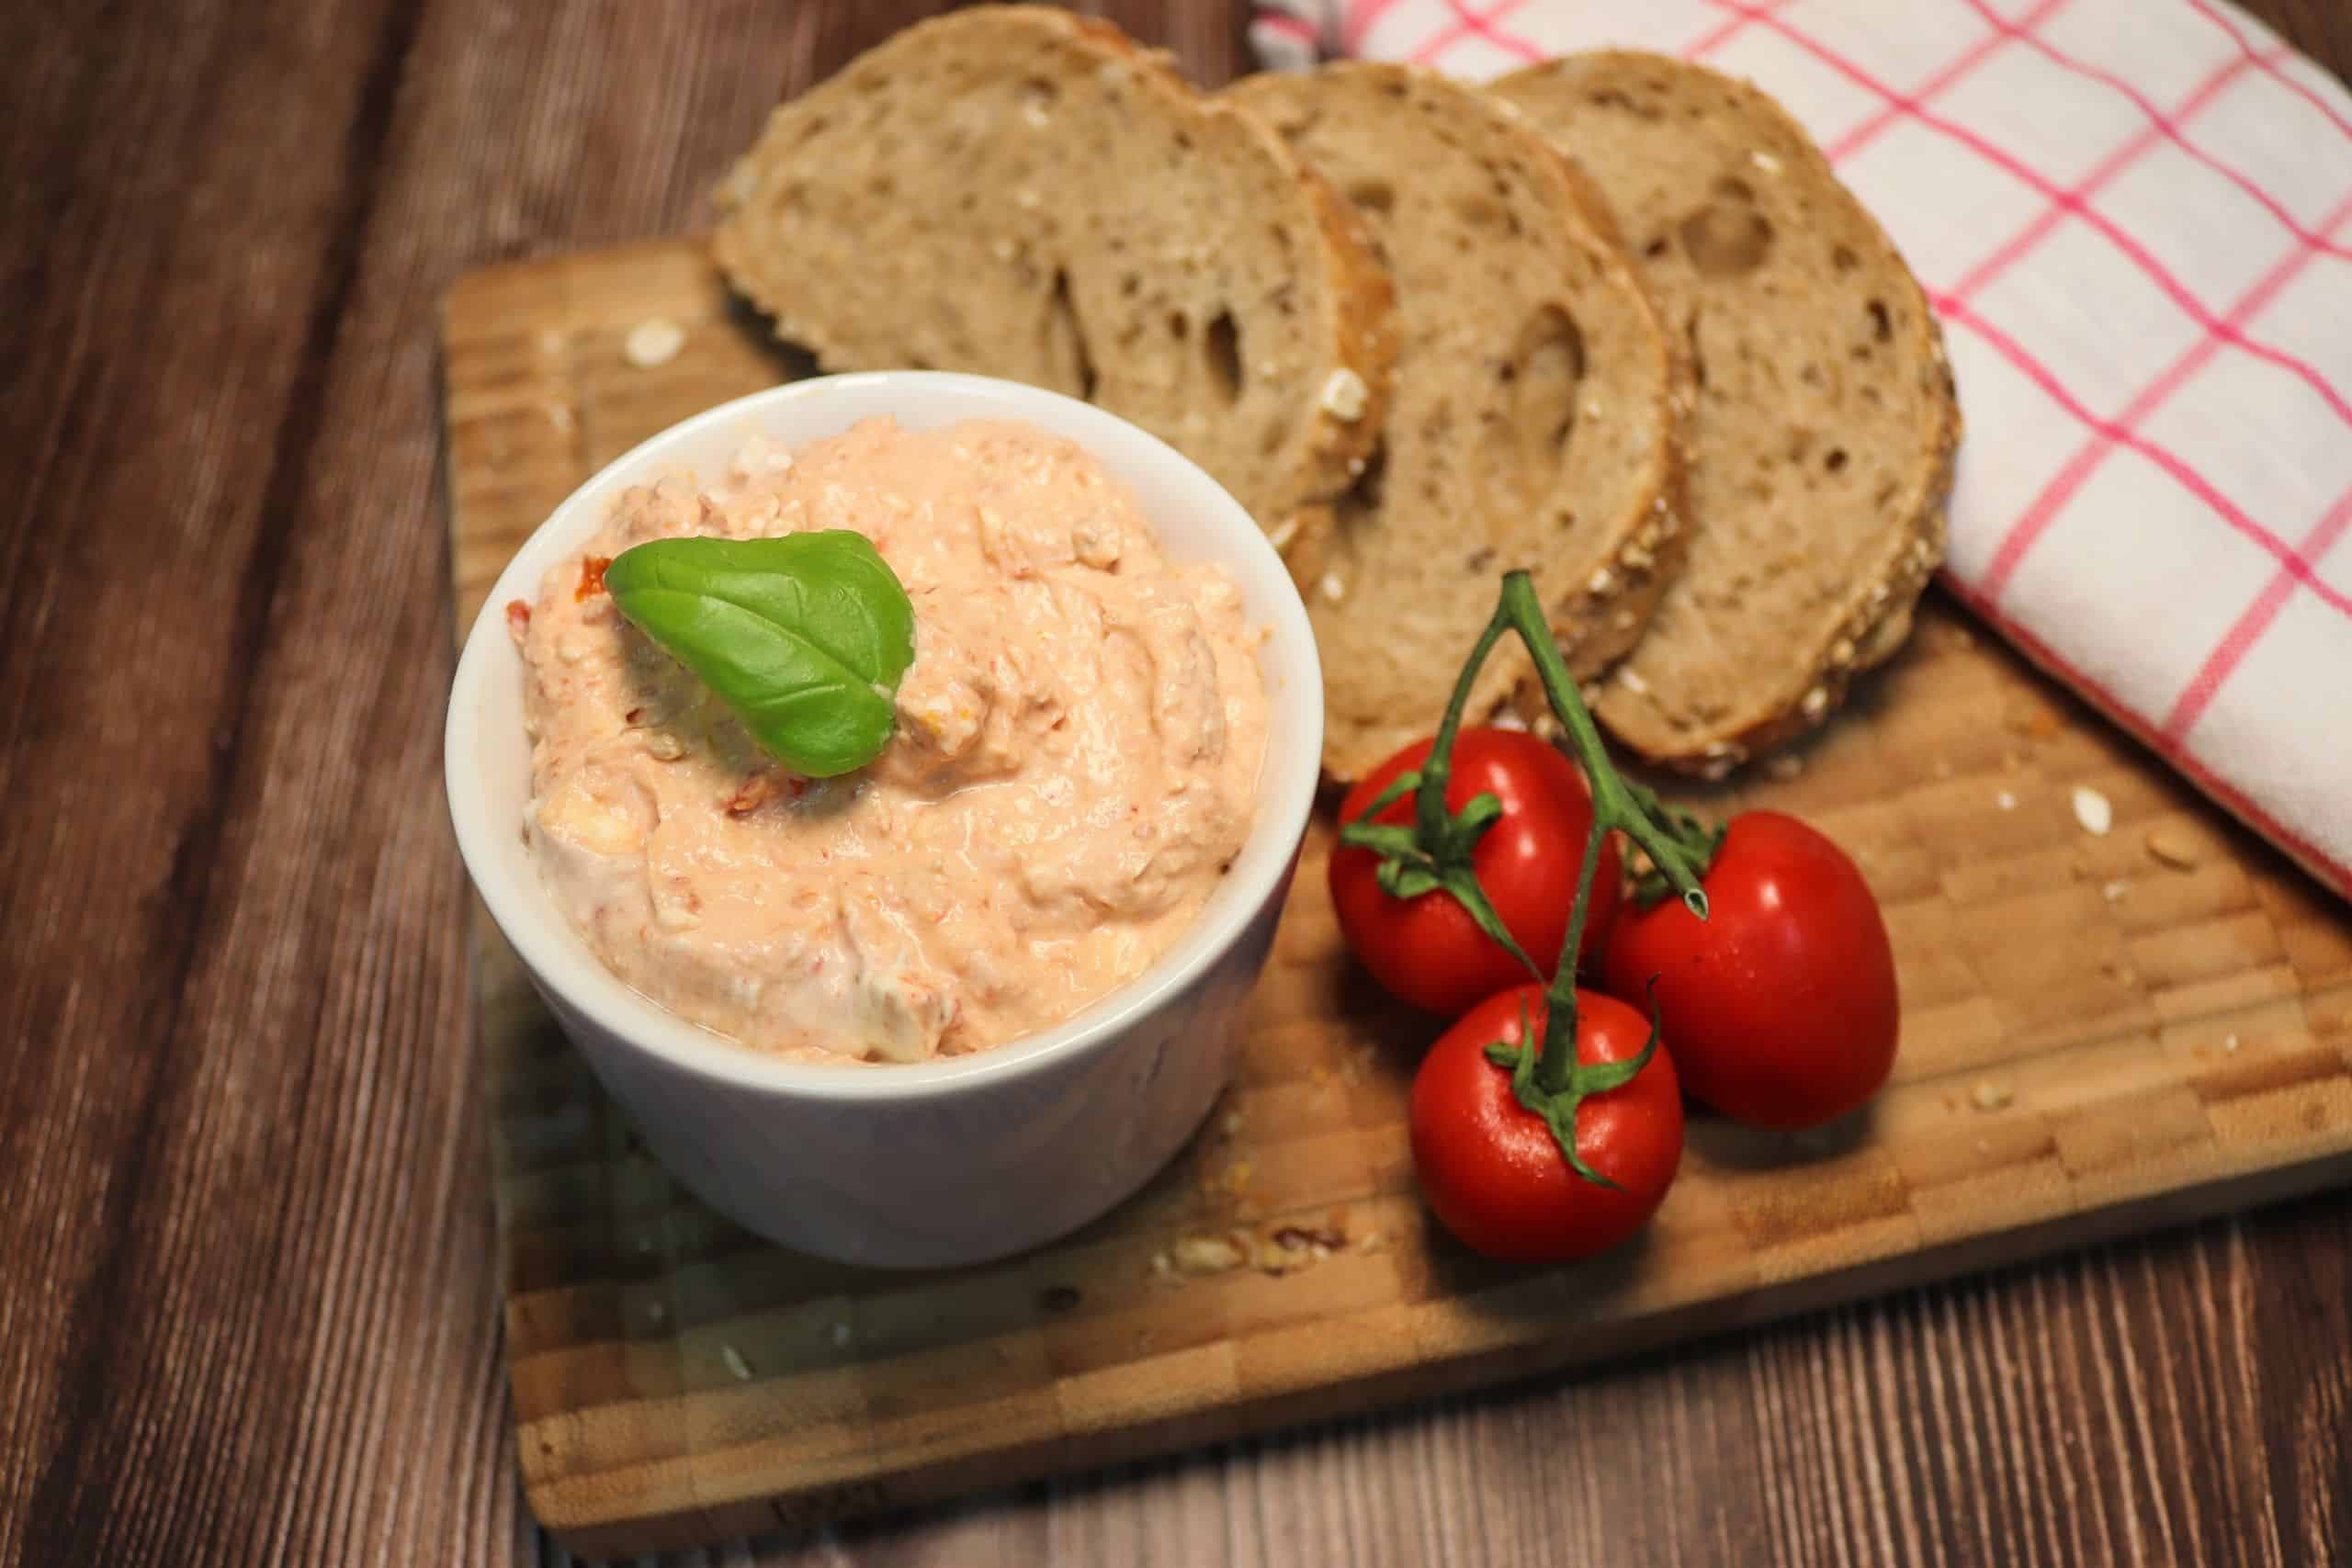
(804, 637)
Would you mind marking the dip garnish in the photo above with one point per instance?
(805, 636)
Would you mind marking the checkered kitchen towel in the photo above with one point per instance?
(2135, 217)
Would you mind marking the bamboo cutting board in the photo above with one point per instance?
(2098, 1037)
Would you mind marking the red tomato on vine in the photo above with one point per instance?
(1429, 949)
(1496, 1171)
(1781, 1004)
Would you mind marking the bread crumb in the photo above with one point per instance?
(1197, 1256)
(2173, 847)
(1332, 588)
(1295, 1245)
(2114, 891)
(1765, 161)
(1273, 1263)
(2093, 810)
(2007, 800)
(1627, 678)
(1785, 767)
(1035, 113)
(2229, 1043)
(652, 342)
(1990, 1096)
(733, 1359)
(1283, 533)
(1815, 704)
(1345, 397)
(1600, 582)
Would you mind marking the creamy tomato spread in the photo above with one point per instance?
(1074, 764)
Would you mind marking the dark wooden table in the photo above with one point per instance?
(247, 1305)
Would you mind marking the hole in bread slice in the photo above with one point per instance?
(1221, 345)
(1066, 347)
(1549, 368)
(1726, 237)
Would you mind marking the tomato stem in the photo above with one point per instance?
(1615, 803)
(1435, 852)
(1559, 1059)
(1552, 1082)
(1701, 841)
(1437, 769)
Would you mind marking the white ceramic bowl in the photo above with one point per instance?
(944, 1162)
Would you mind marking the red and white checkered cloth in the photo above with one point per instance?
(2135, 218)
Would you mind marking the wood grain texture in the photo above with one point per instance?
(247, 1303)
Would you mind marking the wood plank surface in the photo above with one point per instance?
(248, 1308)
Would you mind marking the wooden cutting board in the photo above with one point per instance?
(2096, 1040)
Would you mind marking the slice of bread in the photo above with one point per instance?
(1536, 418)
(1019, 192)
(1821, 445)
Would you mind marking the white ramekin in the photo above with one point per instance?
(945, 1162)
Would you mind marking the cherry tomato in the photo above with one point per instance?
(1490, 1169)
(1782, 1006)
(1426, 950)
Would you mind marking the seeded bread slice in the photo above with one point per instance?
(1822, 442)
(1536, 418)
(1019, 192)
